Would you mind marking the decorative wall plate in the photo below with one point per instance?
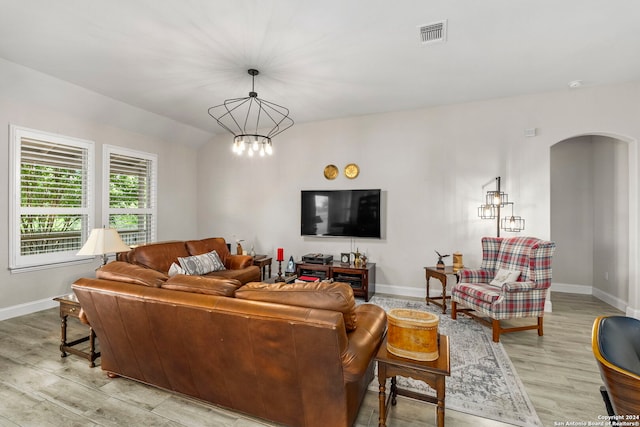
(331, 171)
(351, 170)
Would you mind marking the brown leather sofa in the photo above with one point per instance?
(306, 361)
(159, 256)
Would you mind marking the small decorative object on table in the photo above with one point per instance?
(413, 334)
(357, 262)
(440, 263)
(239, 247)
(457, 262)
(280, 258)
(291, 267)
(345, 258)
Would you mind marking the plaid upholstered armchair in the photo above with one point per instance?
(512, 282)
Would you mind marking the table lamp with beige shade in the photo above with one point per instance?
(103, 241)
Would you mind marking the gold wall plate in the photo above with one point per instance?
(351, 170)
(331, 171)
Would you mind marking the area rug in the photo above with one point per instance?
(483, 381)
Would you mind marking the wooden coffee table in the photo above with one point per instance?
(433, 373)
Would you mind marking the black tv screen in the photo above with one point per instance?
(341, 213)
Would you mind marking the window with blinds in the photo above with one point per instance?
(130, 198)
(51, 209)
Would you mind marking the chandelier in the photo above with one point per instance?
(494, 202)
(248, 120)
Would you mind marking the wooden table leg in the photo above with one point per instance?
(443, 281)
(382, 399)
(63, 335)
(440, 390)
(394, 391)
(444, 295)
(92, 348)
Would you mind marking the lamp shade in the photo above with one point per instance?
(102, 241)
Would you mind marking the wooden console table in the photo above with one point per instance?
(433, 373)
(69, 306)
(441, 275)
(361, 279)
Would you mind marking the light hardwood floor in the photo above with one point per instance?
(38, 388)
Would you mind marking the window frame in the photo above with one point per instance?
(17, 261)
(107, 150)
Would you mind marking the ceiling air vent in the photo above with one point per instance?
(435, 32)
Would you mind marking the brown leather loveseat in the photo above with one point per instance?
(159, 256)
(298, 355)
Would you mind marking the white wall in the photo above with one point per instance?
(572, 225)
(590, 217)
(611, 235)
(430, 163)
(34, 100)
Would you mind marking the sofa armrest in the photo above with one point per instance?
(477, 275)
(364, 341)
(237, 262)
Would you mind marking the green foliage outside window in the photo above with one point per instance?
(129, 191)
(50, 187)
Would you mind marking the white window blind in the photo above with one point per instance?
(51, 207)
(130, 198)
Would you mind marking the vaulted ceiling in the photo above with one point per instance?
(321, 59)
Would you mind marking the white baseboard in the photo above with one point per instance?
(26, 308)
(601, 295)
(401, 291)
(572, 289)
(610, 299)
(632, 313)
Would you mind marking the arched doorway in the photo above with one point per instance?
(592, 217)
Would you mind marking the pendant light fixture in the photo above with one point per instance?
(252, 121)
(512, 223)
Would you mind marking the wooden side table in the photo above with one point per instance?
(441, 275)
(433, 373)
(69, 306)
(264, 262)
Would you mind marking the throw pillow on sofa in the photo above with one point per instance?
(328, 296)
(175, 269)
(202, 285)
(124, 272)
(201, 264)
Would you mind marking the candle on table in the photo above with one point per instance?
(280, 254)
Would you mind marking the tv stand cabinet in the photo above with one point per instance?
(361, 279)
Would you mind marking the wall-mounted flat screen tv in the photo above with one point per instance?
(340, 213)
